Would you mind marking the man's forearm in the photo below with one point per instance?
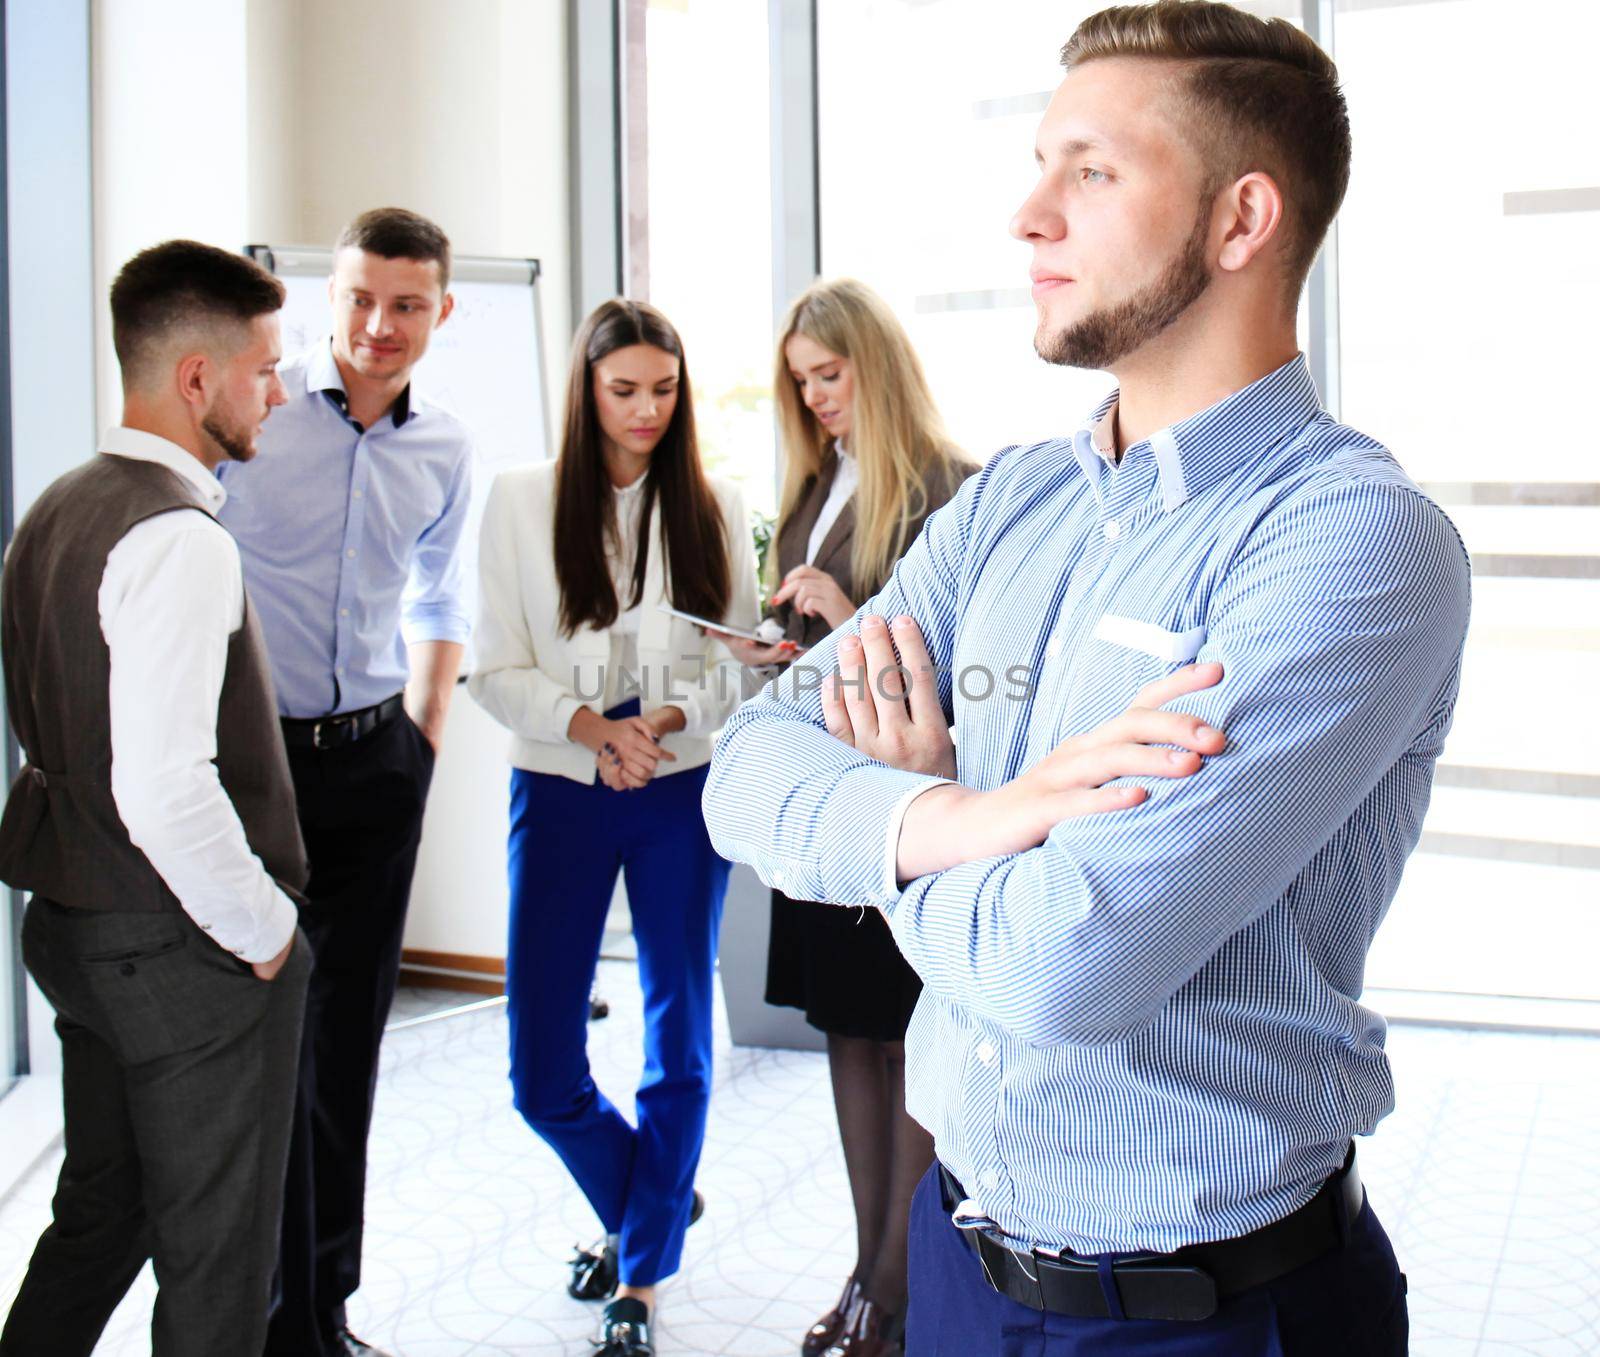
(434, 667)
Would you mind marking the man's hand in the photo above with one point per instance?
(268, 970)
(814, 593)
(950, 825)
(888, 709)
(434, 666)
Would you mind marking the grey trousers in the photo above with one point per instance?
(178, 1077)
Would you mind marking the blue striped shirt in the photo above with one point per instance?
(1146, 1032)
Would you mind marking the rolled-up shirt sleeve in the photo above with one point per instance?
(171, 596)
(434, 606)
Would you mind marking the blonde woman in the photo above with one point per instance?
(866, 460)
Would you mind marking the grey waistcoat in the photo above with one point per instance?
(61, 836)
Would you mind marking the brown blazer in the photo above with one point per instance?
(833, 556)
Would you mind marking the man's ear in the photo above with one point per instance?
(195, 375)
(445, 308)
(1254, 211)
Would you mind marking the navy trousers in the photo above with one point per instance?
(568, 840)
(1349, 1303)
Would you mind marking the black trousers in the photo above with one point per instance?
(361, 813)
(178, 1070)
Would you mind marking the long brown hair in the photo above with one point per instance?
(698, 575)
(896, 434)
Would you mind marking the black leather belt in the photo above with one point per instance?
(330, 732)
(1184, 1285)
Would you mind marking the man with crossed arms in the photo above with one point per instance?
(1140, 1048)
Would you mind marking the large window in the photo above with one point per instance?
(1461, 335)
(927, 111)
(926, 116)
(1468, 283)
(709, 221)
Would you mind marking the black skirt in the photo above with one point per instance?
(838, 964)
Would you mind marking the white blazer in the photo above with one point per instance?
(531, 677)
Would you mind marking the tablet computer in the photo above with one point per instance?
(709, 625)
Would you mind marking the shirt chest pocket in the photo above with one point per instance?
(1146, 638)
(1121, 655)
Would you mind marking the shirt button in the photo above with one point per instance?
(351, 553)
(988, 1180)
(1054, 648)
(344, 612)
(355, 494)
(986, 1052)
(1112, 529)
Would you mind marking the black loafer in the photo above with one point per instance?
(348, 1345)
(594, 1269)
(625, 1330)
(594, 1272)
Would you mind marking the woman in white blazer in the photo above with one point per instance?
(612, 704)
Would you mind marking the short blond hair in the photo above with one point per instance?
(1260, 93)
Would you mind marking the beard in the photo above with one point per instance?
(229, 433)
(1105, 336)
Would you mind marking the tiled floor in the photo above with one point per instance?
(1488, 1177)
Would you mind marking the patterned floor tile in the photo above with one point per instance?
(1487, 1175)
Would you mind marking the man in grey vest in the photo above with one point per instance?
(154, 822)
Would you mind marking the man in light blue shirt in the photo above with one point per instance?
(366, 589)
(350, 527)
(1140, 1046)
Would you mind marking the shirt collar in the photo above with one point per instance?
(323, 377)
(1195, 453)
(121, 441)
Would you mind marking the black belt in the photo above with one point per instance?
(329, 732)
(1183, 1285)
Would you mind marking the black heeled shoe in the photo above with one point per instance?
(871, 1332)
(594, 1269)
(831, 1327)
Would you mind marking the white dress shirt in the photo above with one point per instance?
(171, 597)
(844, 485)
(622, 674)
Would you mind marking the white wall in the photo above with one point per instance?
(457, 111)
(235, 121)
(170, 118)
(276, 121)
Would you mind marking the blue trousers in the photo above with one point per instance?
(567, 842)
(1348, 1303)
